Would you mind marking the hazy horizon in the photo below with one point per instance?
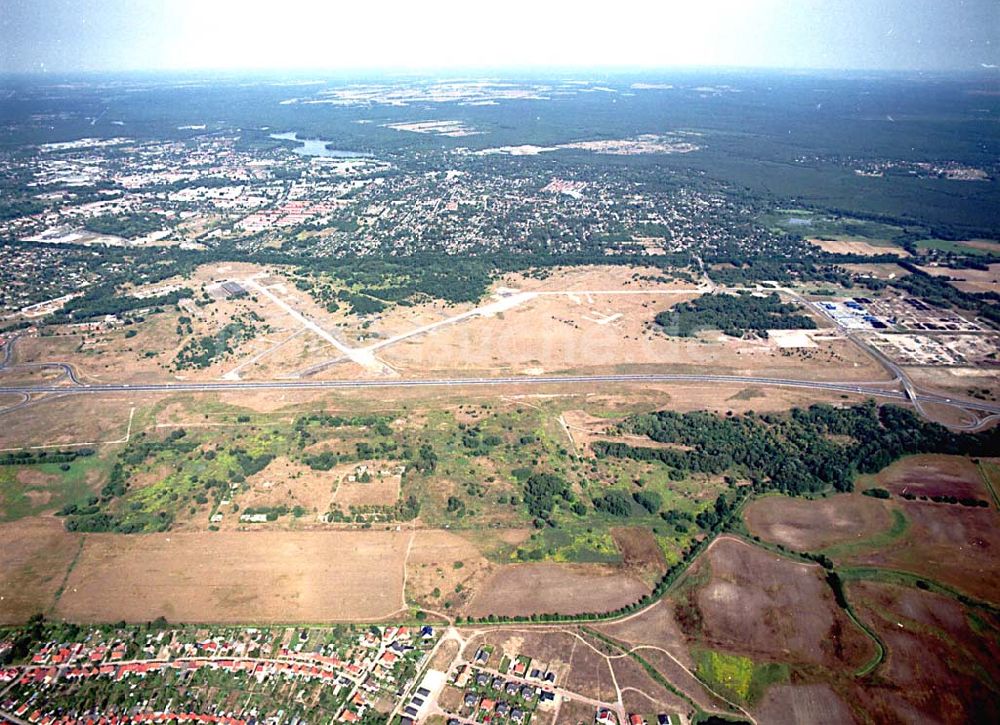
(60, 37)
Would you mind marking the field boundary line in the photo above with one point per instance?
(989, 484)
(69, 570)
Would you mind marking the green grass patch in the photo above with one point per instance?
(737, 677)
(51, 487)
(944, 245)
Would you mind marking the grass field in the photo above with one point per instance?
(740, 678)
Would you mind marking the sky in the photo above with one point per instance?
(58, 36)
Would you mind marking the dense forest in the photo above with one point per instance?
(794, 452)
(735, 315)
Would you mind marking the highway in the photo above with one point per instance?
(880, 389)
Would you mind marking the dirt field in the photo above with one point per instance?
(949, 543)
(744, 604)
(938, 667)
(640, 692)
(793, 704)
(931, 475)
(970, 280)
(858, 247)
(237, 577)
(805, 525)
(64, 421)
(34, 557)
(580, 331)
(434, 564)
(575, 713)
(524, 589)
(641, 554)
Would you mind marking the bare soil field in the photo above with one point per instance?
(592, 278)
(35, 554)
(933, 475)
(62, 420)
(805, 525)
(956, 380)
(590, 672)
(575, 713)
(641, 554)
(953, 544)
(745, 603)
(640, 692)
(655, 627)
(237, 577)
(524, 589)
(858, 247)
(937, 668)
(580, 331)
(970, 280)
(447, 562)
(794, 704)
(878, 271)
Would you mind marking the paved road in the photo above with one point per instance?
(880, 389)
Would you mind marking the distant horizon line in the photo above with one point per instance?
(504, 71)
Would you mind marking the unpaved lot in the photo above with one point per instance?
(838, 246)
(970, 280)
(805, 525)
(34, 556)
(934, 475)
(264, 576)
(744, 600)
(524, 589)
(938, 667)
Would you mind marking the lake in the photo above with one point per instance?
(317, 147)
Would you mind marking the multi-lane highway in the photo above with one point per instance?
(877, 389)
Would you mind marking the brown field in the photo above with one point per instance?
(932, 475)
(655, 627)
(744, 606)
(640, 692)
(938, 668)
(858, 247)
(590, 672)
(260, 576)
(432, 565)
(524, 589)
(641, 554)
(805, 525)
(793, 704)
(878, 271)
(949, 543)
(596, 332)
(575, 713)
(63, 420)
(34, 557)
(444, 656)
(956, 380)
(970, 280)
